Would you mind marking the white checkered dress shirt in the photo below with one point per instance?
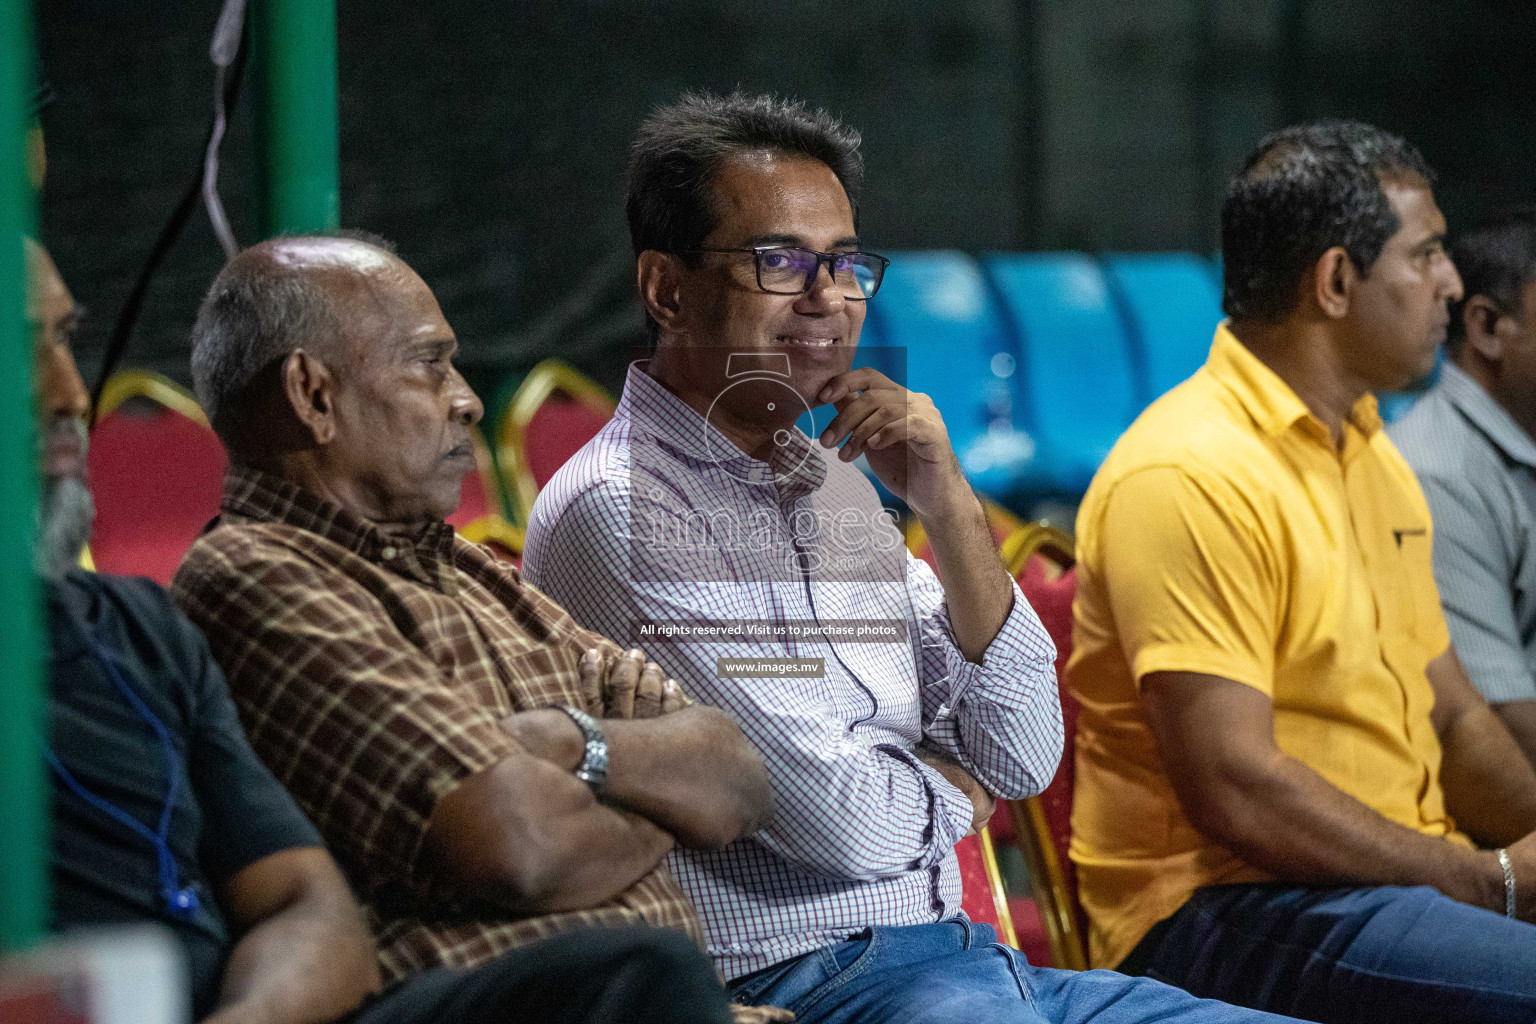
(659, 518)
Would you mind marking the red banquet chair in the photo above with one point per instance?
(1042, 560)
(555, 411)
(157, 469)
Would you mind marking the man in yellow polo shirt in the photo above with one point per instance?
(1288, 794)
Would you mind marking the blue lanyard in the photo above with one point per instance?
(180, 901)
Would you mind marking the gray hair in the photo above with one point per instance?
(256, 312)
(65, 508)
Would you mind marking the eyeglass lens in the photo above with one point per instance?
(791, 271)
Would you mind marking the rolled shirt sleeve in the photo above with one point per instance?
(1000, 717)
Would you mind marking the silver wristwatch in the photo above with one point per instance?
(593, 769)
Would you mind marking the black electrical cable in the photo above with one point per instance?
(122, 331)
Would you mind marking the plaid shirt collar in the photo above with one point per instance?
(795, 467)
(258, 496)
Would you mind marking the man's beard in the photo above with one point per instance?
(65, 514)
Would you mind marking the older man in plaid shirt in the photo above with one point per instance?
(890, 709)
(488, 774)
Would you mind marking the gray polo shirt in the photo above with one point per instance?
(1478, 470)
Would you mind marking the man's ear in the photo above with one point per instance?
(1482, 318)
(659, 276)
(310, 387)
(1333, 282)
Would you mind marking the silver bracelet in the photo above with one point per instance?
(1509, 883)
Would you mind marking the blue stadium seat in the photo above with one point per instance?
(1172, 305)
(1076, 383)
(936, 311)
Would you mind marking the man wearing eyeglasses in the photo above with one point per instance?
(761, 571)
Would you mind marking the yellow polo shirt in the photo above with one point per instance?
(1226, 534)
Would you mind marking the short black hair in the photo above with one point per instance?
(680, 146)
(1496, 259)
(1302, 191)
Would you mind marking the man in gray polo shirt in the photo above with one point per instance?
(1470, 440)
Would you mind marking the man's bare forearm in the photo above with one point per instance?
(1519, 717)
(1490, 787)
(313, 960)
(1286, 819)
(528, 835)
(977, 590)
(692, 772)
(607, 851)
(983, 804)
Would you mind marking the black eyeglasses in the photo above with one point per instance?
(788, 270)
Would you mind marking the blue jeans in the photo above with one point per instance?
(958, 972)
(1386, 954)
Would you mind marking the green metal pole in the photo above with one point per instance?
(23, 784)
(295, 59)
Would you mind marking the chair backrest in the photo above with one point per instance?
(983, 897)
(1173, 307)
(554, 412)
(1076, 383)
(936, 309)
(1043, 566)
(157, 470)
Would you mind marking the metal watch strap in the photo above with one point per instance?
(593, 769)
(1509, 883)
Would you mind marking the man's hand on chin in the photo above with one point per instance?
(903, 437)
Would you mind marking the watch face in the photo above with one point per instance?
(593, 769)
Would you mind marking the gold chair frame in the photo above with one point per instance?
(1038, 538)
(1047, 880)
(998, 890)
(490, 480)
(126, 384)
(543, 380)
(492, 527)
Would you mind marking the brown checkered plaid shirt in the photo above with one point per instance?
(371, 674)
